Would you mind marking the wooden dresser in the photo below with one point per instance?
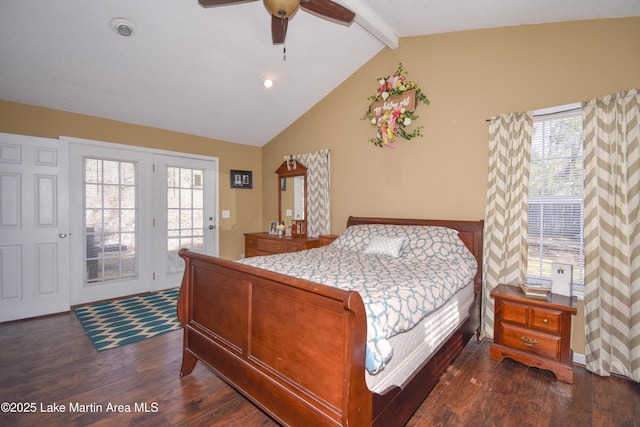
(326, 239)
(534, 331)
(268, 244)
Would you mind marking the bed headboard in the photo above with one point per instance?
(470, 232)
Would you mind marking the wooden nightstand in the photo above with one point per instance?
(534, 331)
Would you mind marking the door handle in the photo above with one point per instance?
(62, 235)
(211, 227)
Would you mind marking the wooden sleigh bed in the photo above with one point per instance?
(297, 348)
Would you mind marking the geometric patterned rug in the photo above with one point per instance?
(116, 323)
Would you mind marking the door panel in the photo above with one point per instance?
(111, 250)
(184, 214)
(34, 247)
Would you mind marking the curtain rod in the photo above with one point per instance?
(570, 110)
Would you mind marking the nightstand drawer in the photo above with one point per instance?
(546, 320)
(530, 341)
(514, 313)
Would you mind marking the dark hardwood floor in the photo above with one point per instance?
(49, 361)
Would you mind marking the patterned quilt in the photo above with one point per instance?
(402, 273)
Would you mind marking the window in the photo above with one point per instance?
(556, 208)
(185, 214)
(110, 220)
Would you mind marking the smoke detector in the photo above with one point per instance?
(122, 26)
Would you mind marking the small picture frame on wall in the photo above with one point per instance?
(241, 179)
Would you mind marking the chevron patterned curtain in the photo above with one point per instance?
(505, 219)
(318, 207)
(612, 234)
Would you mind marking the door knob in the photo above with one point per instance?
(62, 235)
(211, 227)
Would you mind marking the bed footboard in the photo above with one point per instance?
(270, 335)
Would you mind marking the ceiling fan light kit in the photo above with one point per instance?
(282, 10)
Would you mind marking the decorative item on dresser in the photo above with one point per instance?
(534, 331)
(268, 244)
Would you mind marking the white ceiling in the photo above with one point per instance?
(198, 71)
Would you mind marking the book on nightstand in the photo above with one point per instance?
(534, 290)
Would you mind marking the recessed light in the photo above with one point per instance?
(122, 26)
(267, 82)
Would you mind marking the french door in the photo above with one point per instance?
(184, 214)
(129, 222)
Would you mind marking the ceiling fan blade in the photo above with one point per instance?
(208, 3)
(329, 10)
(278, 29)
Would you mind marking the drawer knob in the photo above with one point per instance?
(528, 341)
(545, 320)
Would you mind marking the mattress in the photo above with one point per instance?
(412, 347)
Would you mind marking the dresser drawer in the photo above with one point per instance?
(546, 320)
(295, 246)
(251, 242)
(269, 244)
(249, 252)
(273, 246)
(531, 341)
(514, 313)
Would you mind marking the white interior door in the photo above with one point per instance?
(185, 214)
(34, 243)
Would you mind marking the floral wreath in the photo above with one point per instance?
(391, 123)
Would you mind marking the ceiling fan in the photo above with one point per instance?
(281, 10)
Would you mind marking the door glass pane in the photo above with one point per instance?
(185, 214)
(110, 220)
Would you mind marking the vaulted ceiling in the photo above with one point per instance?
(198, 70)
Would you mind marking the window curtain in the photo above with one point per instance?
(612, 234)
(506, 223)
(318, 207)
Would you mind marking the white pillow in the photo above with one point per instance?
(382, 245)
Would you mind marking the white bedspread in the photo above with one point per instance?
(397, 291)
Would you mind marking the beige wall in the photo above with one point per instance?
(245, 205)
(469, 77)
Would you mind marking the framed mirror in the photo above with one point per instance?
(292, 196)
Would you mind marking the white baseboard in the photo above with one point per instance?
(579, 359)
